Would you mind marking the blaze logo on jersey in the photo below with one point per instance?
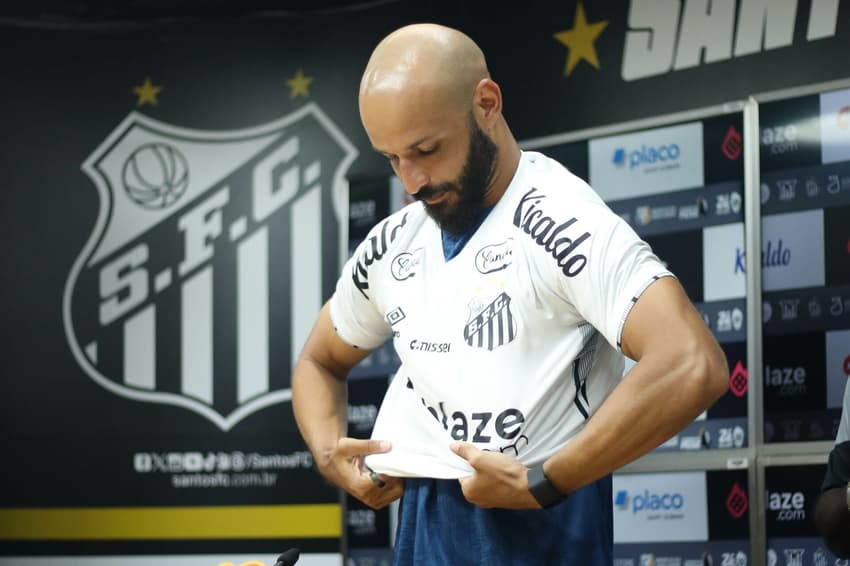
(493, 326)
(209, 248)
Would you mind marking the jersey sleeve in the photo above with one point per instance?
(618, 268)
(353, 308)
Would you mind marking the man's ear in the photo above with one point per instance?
(487, 101)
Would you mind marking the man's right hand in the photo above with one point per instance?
(346, 469)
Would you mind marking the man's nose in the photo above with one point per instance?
(412, 176)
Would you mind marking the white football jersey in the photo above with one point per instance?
(513, 343)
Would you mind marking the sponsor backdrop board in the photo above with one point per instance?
(690, 518)
(369, 532)
(805, 259)
(792, 539)
(681, 188)
(183, 311)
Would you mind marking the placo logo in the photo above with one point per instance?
(647, 155)
(835, 126)
(659, 507)
(648, 162)
(648, 501)
(619, 157)
(792, 257)
(723, 264)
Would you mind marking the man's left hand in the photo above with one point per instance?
(497, 479)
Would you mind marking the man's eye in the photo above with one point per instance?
(427, 150)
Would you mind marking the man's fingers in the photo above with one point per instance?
(358, 447)
(466, 451)
(378, 497)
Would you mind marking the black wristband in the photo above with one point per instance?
(546, 494)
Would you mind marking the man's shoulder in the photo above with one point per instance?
(548, 190)
(404, 221)
(554, 181)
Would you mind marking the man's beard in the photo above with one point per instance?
(470, 188)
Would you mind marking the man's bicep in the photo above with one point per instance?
(325, 348)
(663, 319)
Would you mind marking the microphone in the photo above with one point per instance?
(288, 558)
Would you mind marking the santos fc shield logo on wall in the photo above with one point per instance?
(209, 259)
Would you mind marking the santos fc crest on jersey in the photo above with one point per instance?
(490, 324)
(208, 261)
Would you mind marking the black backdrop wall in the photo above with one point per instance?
(70, 440)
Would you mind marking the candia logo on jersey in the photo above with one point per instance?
(555, 238)
(404, 265)
(374, 249)
(208, 248)
(491, 326)
(495, 257)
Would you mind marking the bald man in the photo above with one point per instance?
(511, 293)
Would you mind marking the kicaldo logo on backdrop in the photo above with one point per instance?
(207, 250)
(663, 507)
(648, 162)
(723, 262)
(792, 252)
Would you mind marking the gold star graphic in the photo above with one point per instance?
(579, 40)
(299, 85)
(146, 93)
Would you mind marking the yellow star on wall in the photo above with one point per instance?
(579, 40)
(146, 93)
(299, 85)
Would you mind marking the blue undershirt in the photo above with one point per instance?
(454, 243)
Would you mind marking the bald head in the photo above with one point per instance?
(425, 59)
(429, 106)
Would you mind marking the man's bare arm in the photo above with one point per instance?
(680, 371)
(319, 401)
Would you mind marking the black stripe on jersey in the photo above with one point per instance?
(581, 368)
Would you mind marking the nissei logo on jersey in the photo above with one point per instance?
(431, 347)
(648, 501)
